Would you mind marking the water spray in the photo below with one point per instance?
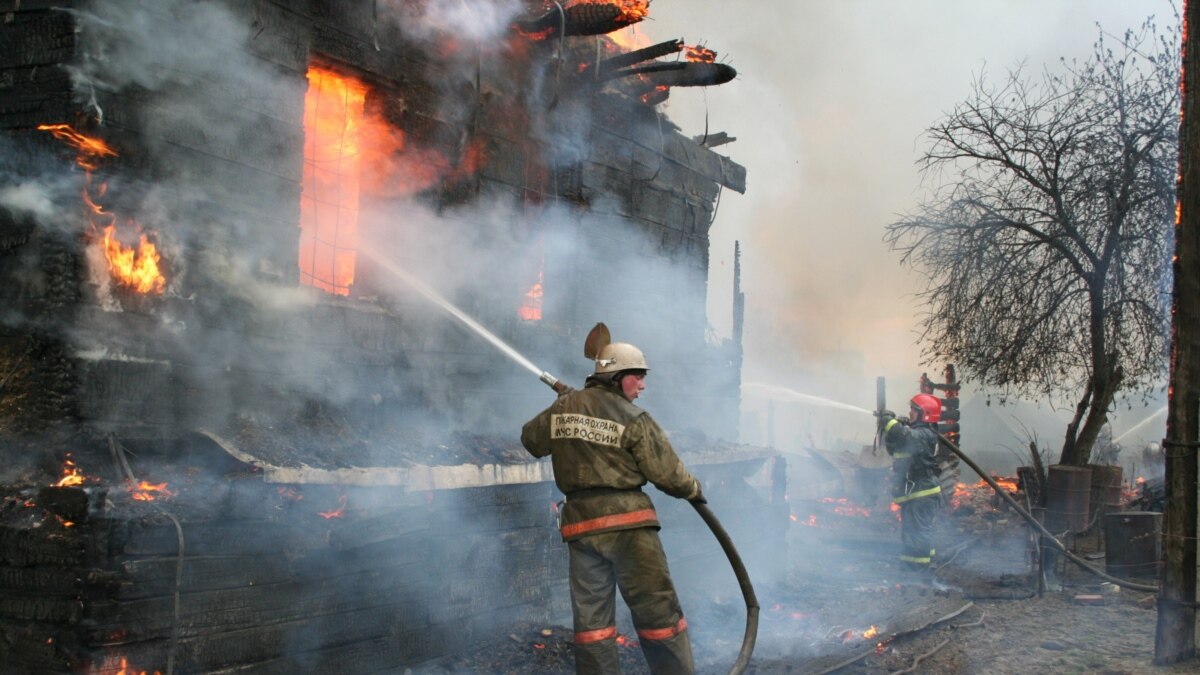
(596, 340)
(424, 289)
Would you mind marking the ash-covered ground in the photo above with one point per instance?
(846, 606)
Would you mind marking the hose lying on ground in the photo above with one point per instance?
(743, 578)
(1042, 528)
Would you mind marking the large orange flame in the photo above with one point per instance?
(333, 117)
(137, 269)
(351, 152)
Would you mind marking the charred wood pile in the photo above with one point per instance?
(265, 578)
(219, 570)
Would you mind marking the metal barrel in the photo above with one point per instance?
(1106, 490)
(1068, 496)
(1132, 543)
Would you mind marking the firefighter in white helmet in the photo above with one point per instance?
(604, 449)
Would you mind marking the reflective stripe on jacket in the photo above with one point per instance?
(915, 471)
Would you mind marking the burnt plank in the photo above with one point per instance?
(150, 577)
(21, 547)
(227, 609)
(30, 607)
(278, 647)
(37, 39)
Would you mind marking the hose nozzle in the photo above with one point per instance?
(554, 383)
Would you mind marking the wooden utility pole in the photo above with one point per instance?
(1175, 638)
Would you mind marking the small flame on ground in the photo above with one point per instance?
(289, 493)
(146, 491)
(336, 513)
(127, 670)
(623, 641)
(72, 475)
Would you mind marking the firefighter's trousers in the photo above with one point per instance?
(916, 530)
(632, 561)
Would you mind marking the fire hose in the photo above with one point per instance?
(1049, 536)
(739, 570)
(731, 552)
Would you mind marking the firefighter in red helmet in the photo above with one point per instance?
(604, 449)
(912, 443)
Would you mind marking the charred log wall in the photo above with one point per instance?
(151, 367)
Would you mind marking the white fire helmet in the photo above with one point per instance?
(618, 356)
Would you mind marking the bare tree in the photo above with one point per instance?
(1046, 240)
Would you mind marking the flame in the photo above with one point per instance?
(870, 633)
(148, 492)
(289, 493)
(127, 670)
(846, 508)
(629, 38)
(699, 54)
(632, 11)
(90, 148)
(531, 305)
(333, 121)
(655, 95)
(353, 152)
(336, 513)
(71, 474)
(138, 269)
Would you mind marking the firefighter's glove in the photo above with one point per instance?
(697, 495)
(885, 416)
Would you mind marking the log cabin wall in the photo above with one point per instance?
(601, 196)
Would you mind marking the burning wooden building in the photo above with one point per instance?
(244, 424)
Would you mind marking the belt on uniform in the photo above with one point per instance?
(599, 492)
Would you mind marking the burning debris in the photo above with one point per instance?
(312, 439)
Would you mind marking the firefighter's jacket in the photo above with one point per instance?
(915, 471)
(604, 449)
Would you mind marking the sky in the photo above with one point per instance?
(829, 107)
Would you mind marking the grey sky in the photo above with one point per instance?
(829, 107)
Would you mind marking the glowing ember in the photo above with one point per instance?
(126, 669)
(336, 513)
(846, 508)
(632, 11)
(289, 493)
(699, 54)
(655, 95)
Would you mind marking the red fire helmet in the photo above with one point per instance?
(930, 407)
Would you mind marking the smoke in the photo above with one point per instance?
(474, 20)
